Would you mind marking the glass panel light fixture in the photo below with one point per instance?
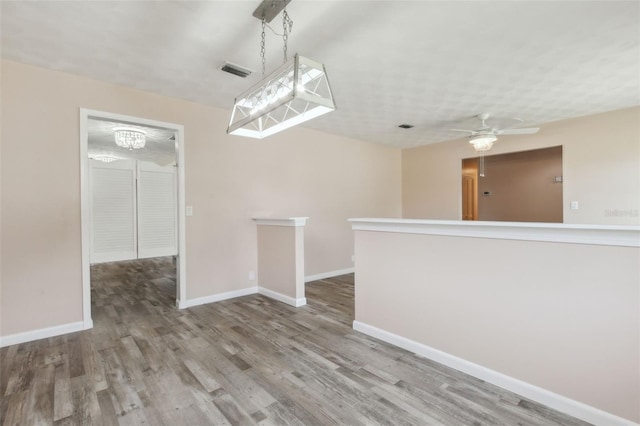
(130, 138)
(295, 92)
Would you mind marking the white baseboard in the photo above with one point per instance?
(216, 297)
(42, 333)
(558, 402)
(182, 304)
(328, 274)
(283, 298)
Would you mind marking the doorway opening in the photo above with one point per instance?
(132, 204)
(524, 186)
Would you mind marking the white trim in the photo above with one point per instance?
(181, 264)
(85, 219)
(217, 297)
(42, 333)
(283, 298)
(239, 293)
(608, 235)
(329, 274)
(558, 402)
(181, 258)
(283, 221)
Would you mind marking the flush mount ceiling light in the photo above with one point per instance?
(295, 92)
(483, 142)
(105, 158)
(130, 138)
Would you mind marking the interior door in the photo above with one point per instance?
(133, 210)
(113, 210)
(157, 211)
(469, 198)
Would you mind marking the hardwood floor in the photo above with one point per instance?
(250, 360)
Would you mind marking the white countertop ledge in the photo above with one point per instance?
(281, 221)
(608, 235)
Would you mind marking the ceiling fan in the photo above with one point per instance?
(482, 139)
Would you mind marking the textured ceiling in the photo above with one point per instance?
(433, 64)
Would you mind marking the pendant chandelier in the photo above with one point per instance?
(129, 138)
(295, 92)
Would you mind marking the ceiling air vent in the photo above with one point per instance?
(236, 70)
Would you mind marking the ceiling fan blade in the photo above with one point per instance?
(463, 130)
(527, 131)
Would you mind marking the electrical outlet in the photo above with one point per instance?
(575, 205)
(252, 275)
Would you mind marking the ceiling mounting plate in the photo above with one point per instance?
(269, 9)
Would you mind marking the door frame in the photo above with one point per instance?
(181, 276)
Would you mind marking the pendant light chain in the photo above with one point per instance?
(287, 25)
(262, 49)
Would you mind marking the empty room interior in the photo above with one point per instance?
(320, 212)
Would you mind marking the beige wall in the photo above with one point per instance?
(278, 268)
(601, 169)
(229, 180)
(568, 322)
(521, 187)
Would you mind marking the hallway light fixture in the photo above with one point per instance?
(295, 92)
(105, 158)
(130, 138)
(483, 142)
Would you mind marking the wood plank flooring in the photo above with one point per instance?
(250, 360)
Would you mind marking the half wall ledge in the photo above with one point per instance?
(613, 235)
(548, 311)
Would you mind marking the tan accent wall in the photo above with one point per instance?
(521, 187)
(229, 180)
(601, 169)
(568, 322)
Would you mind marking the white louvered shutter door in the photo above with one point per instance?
(113, 211)
(157, 210)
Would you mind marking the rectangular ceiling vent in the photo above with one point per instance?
(234, 69)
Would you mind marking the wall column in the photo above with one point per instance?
(281, 259)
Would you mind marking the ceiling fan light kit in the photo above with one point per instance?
(295, 92)
(483, 142)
